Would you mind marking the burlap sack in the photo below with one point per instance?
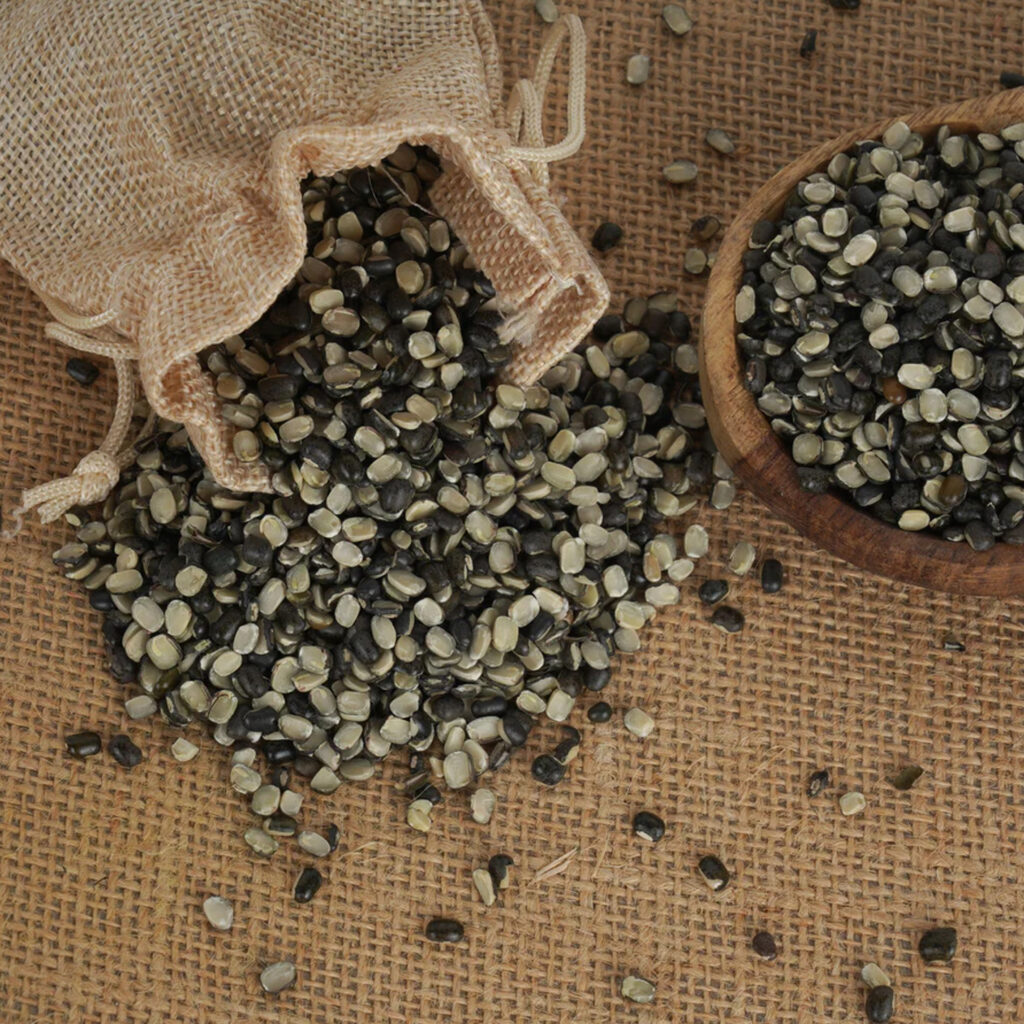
(150, 166)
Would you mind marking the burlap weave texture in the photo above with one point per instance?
(102, 874)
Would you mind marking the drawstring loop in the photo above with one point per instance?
(527, 99)
(97, 474)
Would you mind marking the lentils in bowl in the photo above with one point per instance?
(881, 319)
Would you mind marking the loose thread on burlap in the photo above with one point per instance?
(97, 474)
(556, 867)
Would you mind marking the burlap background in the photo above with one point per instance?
(102, 873)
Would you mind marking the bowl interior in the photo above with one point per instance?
(759, 457)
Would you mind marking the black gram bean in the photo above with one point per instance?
(83, 744)
(308, 885)
(124, 751)
(443, 929)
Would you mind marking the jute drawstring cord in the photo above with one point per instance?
(526, 122)
(527, 99)
(97, 474)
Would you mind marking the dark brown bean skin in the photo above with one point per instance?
(82, 371)
(124, 751)
(818, 781)
(879, 1004)
(727, 619)
(307, 885)
(764, 946)
(607, 236)
(547, 770)
(444, 929)
(771, 576)
(938, 945)
(714, 872)
(498, 866)
(83, 744)
(905, 779)
(649, 826)
(713, 591)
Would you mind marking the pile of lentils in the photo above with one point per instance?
(882, 322)
(443, 558)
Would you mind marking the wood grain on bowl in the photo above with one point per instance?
(744, 435)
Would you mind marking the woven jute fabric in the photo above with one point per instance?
(152, 153)
(103, 873)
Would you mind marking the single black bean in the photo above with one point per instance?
(600, 712)
(548, 770)
(256, 550)
(124, 751)
(261, 720)
(429, 792)
(279, 387)
(809, 43)
(906, 778)
(878, 1006)
(308, 885)
(596, 679)
(83, 744)
(713, 591)
(516, 725)
(649, 826)
(608, 326)
(81, 371)
(763, 232)
(727, 619)
(333, 836)
(447, 707)
(498, 867)
(679, 325)
(278, 751)
(756, 375)
(818, 781)
(863, 198)
(979, 536)
(485, 706)
(714, 872)
(764, 945)
(443, 929)
(607, 236)
(563, 753)
(938, 945)
(771, 576)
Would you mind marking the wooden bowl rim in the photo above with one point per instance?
(757, 455)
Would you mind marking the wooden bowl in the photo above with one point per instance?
(742, 431)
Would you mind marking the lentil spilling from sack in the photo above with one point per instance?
(444, 557)
(882, 318)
